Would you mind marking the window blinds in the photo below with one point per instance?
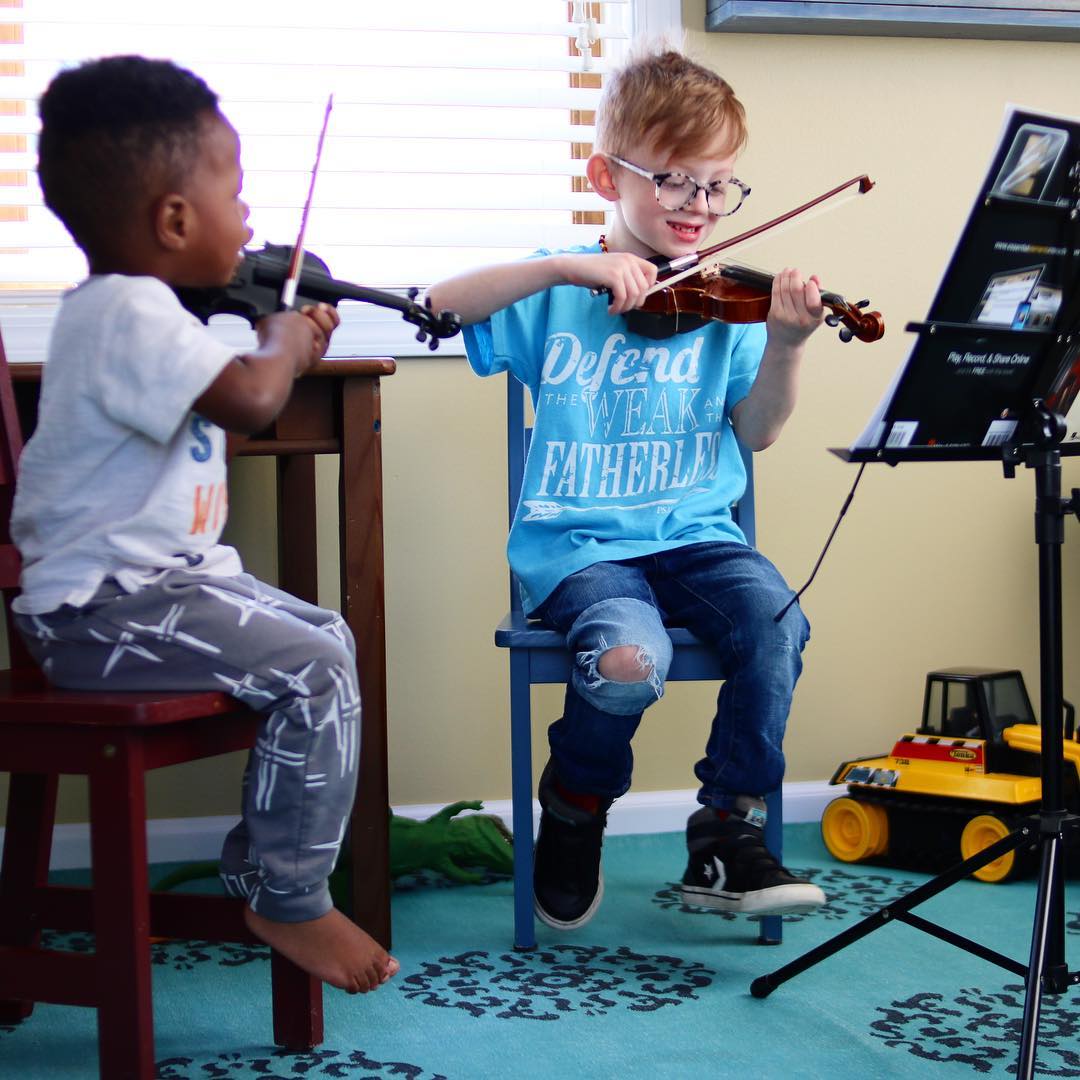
(458, 136)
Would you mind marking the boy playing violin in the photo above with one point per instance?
(624, 524)
(121, 496)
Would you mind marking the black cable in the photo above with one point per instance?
(821, 558)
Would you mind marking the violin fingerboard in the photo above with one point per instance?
(745, 276)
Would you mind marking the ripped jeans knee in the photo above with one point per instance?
(627, 624)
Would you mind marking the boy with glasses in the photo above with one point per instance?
(625, 523)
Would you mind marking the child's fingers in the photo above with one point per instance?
(323, 315)
(633, 284)
(322, 319)
(627, 277)
(785, 286)
(795, 300)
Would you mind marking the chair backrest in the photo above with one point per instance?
(518, 438)
(11, 443)
(10, 448)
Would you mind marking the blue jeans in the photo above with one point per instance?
(727, 594)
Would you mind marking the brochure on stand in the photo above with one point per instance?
(1004, 327)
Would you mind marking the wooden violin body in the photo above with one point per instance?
(737, 294)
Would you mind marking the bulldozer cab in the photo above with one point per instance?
(971, 703)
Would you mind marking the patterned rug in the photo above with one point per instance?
(650, 988)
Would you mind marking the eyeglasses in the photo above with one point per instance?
(676, 191)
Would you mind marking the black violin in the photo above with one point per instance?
(255, 292)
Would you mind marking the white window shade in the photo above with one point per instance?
(458, 133)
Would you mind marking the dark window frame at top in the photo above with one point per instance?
(1050, 20)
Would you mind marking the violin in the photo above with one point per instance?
(701, 287)
(737, 294)
(256, 289)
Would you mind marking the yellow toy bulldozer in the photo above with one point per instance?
(960, 782)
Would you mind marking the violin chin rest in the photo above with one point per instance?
(658, 327)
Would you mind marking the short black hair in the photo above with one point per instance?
(115, 131)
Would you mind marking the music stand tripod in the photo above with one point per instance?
(1046, 971)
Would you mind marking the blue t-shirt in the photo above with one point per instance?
(632, 449)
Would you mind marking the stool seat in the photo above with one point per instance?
(25, 695)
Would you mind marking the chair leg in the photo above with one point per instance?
(521, 799)
(121, 907)
(298, 1005)
(31, 813)
(771, 927)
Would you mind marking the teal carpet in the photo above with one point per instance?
(649, 988)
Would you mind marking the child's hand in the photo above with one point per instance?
(299, 336)
(628, 277)
(326, 320)
(795, 310)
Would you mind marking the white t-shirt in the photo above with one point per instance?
(121, 479)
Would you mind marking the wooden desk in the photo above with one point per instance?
(335, 409)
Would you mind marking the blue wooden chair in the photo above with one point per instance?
(538, 655)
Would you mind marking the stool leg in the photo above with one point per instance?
(298, 1005)
(27, 844)
(122, 910)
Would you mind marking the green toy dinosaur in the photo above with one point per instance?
(443, 842)
(447, 843)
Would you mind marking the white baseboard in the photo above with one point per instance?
(664, 811)
(194, 839)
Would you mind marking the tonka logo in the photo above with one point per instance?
(962, 755)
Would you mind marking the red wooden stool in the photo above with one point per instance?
(112, 739)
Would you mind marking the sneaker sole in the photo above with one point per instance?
(781, 900)
(581, 920)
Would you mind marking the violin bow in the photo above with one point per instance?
(292, 277)
(685, 265)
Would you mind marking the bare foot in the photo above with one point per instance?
(332, 948)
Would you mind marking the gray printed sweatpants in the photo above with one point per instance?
(290, 660)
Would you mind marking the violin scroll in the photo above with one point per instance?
(852, 320)
(442, 324)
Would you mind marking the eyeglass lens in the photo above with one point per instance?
(724, 196)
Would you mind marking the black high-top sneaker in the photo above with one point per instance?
(731, 869)
(567, 881)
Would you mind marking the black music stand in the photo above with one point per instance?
(1046, 970)
(995, 367)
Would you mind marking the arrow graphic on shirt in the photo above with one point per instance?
(545, 511)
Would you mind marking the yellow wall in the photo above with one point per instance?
(934, 565)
